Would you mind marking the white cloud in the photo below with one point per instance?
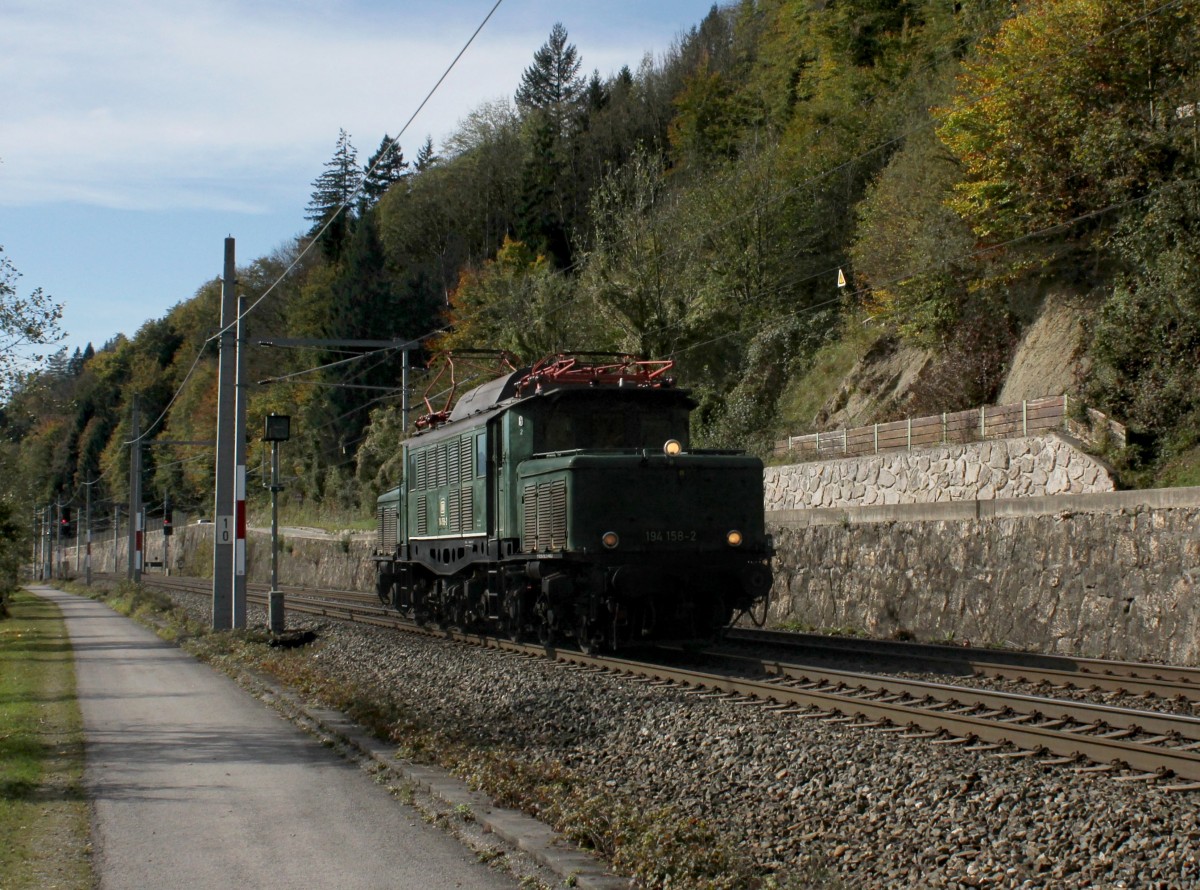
(133, 103)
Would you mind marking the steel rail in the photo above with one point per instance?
(1166, 681)
(1149, 758)
(1085, 713)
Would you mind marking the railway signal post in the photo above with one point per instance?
(278, 429)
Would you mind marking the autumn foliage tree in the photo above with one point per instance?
(1071, 109)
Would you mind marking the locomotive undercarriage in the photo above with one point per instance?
(555, 601)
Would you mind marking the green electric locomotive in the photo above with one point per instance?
(562, 501)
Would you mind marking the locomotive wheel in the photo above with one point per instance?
(513, 618)
(383, 587)
(587, 639)
(548, 626)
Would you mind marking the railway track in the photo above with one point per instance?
(1060, 672)
(1130, 744)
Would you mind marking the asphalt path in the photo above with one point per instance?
(197, 784)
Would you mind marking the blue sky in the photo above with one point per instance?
(135, 135)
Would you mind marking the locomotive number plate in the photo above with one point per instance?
(669, 536)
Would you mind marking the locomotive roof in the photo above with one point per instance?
(499, 394)
(487, 395)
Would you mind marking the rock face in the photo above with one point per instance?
(1117, 583)
(1007, 468)
(1049, 357)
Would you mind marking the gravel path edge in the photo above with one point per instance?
(442, 791)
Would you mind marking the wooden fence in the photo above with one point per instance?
(988, 422)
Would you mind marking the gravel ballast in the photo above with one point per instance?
(809, 803)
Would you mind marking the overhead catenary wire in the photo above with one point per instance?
(758, 206)
(312, 241)
(975, 254)
(809, 181)
(345, 205)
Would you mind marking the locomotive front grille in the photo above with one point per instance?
(546, 516)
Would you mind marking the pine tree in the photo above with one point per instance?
(552, 84)
(385, 168)
(333, 195)
(551, 95)
(426, 157)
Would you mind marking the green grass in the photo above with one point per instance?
(1181, 470)
(43, 811)
(330, 519)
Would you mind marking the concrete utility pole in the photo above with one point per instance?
(46, 550)
(134, 572)
(404, 393)
(87, 517)
(36, 566)
(239, 478)
(223, 519)
(57, 540)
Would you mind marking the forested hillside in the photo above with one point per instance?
(956, 161)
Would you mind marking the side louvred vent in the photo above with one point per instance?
(545, 525)
(387, 523)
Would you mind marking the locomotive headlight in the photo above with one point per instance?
(734, 538)
(610, 540)
(672, 447)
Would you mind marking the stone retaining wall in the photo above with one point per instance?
(1114, 575)
(1007, 468)
(339, 562)
(1103, 575)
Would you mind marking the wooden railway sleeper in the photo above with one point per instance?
(1051, 724)
(1022, 755)
(1085, 727)
(1145, 777)
(1189, 786)
(1060, 761)
(941, 706)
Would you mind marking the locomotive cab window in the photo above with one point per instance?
(643, 421)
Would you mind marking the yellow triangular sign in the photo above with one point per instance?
(841, 278)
